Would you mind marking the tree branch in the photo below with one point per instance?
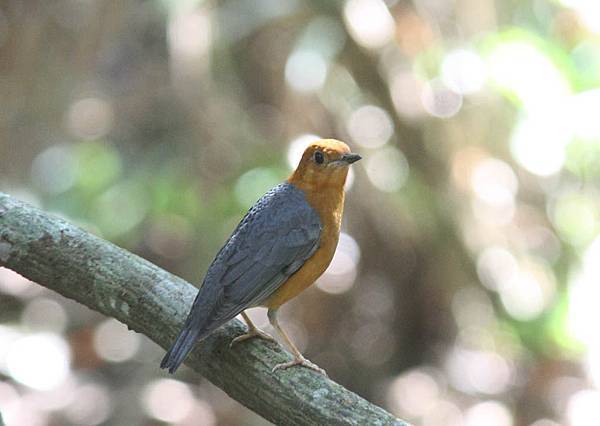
(153, 302)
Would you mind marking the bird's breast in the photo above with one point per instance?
(314, 267)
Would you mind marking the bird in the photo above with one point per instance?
(285, 241)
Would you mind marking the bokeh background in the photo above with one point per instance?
(465, 288)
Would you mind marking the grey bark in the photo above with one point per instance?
(153, 302)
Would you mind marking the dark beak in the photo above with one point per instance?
(350, 158)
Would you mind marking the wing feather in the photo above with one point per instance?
(277, 235)
(271, 242)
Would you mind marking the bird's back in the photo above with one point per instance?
(273, 240)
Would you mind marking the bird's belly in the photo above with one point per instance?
(303, 278)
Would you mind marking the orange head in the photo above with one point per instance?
(324, 164)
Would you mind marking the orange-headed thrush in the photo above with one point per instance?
(281, 246)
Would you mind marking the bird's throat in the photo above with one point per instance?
(328, 202)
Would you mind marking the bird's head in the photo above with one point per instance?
(324, 164)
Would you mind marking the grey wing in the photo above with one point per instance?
(279, 233)
(272, 242)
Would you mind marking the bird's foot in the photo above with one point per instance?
(252, 332)
(300, 360)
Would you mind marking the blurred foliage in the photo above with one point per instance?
(464, 290)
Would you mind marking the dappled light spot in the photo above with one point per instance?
(341, 273)
(588, 12)
(53, 170)
(579, 113)
(8, 335)
(406, 90)
(493, 216)
(582, 408)
(538, 143)
(190, 35)
(23, 411)
(374, 301)
(55, 399)
(168, 400)
(542, 241)
(387, 169)
(39, 361)
(464, 161)
(478, 371)
(545, 422)
(489, 413)
(583, 312)
(370, 126)
(584, 315)
(523, 70)
(202, 413)
(494, 182)
(90, 118)
(306, 71)
(576, 217)
(114, 342)
(560, 390)
(8, 395)
(444, 413)
(129, 199)
(439, 100)
(496, 267)
(97, 165)
(526, 287)
(369, 22)
(44, 314)
(464, 71)
(524, 297)
(17, 285)
(323, 34)
(91, 406)
(413, 393)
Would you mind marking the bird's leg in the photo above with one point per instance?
(298, 357)
(253, 331)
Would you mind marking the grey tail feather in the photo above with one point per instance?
(182, 346)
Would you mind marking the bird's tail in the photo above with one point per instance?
(182, 346)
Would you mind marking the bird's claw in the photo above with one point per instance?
(299, 361)
(253, 332)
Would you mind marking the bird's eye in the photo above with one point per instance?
(319, 157)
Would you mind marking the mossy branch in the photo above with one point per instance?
(151, 301)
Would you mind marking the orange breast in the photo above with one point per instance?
(329, 204)
(306, 275)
